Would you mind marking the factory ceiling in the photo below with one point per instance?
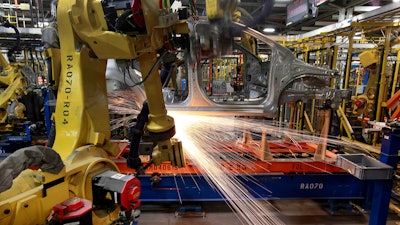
(267, 13)
(326, 12)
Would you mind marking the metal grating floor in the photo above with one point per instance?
(291, 212)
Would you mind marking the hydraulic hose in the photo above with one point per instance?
(5, 23)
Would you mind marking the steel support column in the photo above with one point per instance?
(383, 188)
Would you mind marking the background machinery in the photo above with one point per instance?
(21, 100)
(77, 180)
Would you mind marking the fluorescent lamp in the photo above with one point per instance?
(269, 30)
(365, 8)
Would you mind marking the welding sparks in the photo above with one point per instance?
(202, 137)
(226, 150)
(125, 104)
(209, 142)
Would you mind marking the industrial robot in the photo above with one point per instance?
(20, 101)
(75, 181)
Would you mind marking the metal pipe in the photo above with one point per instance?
(345, 123)
(347, 74)
(308, 123)
(382, 83)
(41, 8)
(31, 12)
(348, 62)
(301, 116)
(334, 57)
(312, 111)
(37, 12)
(396, 74)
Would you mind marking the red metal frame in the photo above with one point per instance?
(255, 166)
(392, 103)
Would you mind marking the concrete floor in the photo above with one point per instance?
(291, 212)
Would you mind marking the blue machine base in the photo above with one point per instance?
(261, 186)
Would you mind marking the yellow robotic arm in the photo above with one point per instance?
(364, 103)
(86, 41)
(13, 78)
(82, 139)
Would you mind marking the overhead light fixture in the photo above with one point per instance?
(269, 30)
(365, 8)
